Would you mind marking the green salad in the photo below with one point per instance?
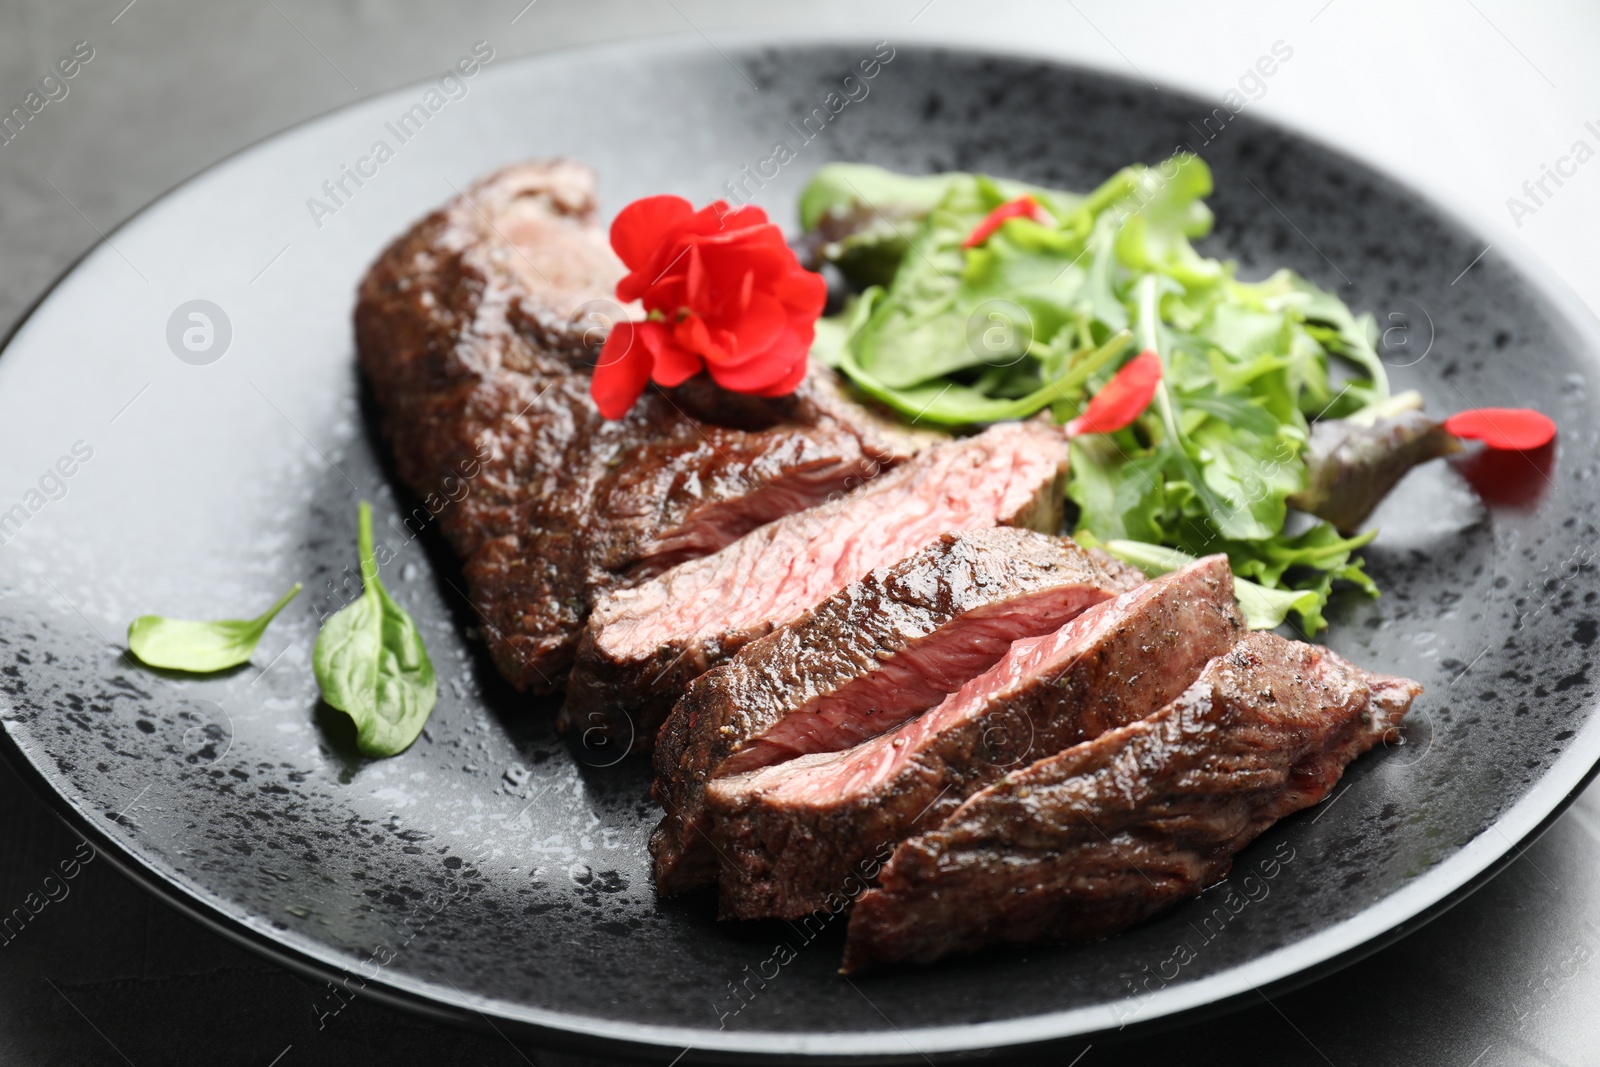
(1040, 315)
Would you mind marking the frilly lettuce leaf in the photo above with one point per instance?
(1264, 608)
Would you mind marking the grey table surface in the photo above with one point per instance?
(1466, 99)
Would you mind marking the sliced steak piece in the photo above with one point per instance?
(872, 655)
(643, 645)
(477, 330)
(1105, 834)
(677, 500)
(1126, 575)
(789, 837)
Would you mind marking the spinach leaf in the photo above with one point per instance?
(950, 309)
(952, 404)
(370, 662)
(918, 331)
(200, 647)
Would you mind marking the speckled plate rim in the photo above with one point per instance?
(1427, 897)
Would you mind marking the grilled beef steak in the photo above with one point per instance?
(860, 663)
(675, 500)
(644, 644)
(788, 837)
(476, 331)
(1096, 838)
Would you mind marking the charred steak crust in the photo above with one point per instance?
(476, 330)
(1087, 842)
(789, 836)
(471, 359)
(1125, 575)
(645, 644)
(875, 653)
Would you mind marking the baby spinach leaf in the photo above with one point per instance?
(371, 664)
(200, 647)
(947, 403)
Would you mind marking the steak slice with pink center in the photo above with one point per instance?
(675, 500)
(1105, 834)
(644, 645)
(860, 663)
(790, 838)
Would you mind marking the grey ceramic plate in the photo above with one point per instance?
(489, 871)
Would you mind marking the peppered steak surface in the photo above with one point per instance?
(477, 330)
(867, 658)
(644, 644)
(1107, 833)
(788, 836)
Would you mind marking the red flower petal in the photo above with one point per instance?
(1508, 429)
(1123, 398)
(791, 381)
(675, 367)
(725, 293)
(723, 225)
(640, 228)
(1022, 207)
(621, 373)
(696, 285)
(671, 363)
(805, 292)
(754, 332)
(742, 217)
(776, 365)
(695, 336)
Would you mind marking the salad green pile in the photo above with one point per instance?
(1041, 314)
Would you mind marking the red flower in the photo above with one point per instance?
(1503, 429)
(1123, 398)
(723, 293)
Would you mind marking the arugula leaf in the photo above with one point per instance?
(949, 309)
(1264, 609)
(370, 662)
(1170, 210)
(200, 647)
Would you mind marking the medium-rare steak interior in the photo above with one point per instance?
(644, 644)
(789, 836)
(673, 501)
(1091, 840)
(872, 655)
(476, 333)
